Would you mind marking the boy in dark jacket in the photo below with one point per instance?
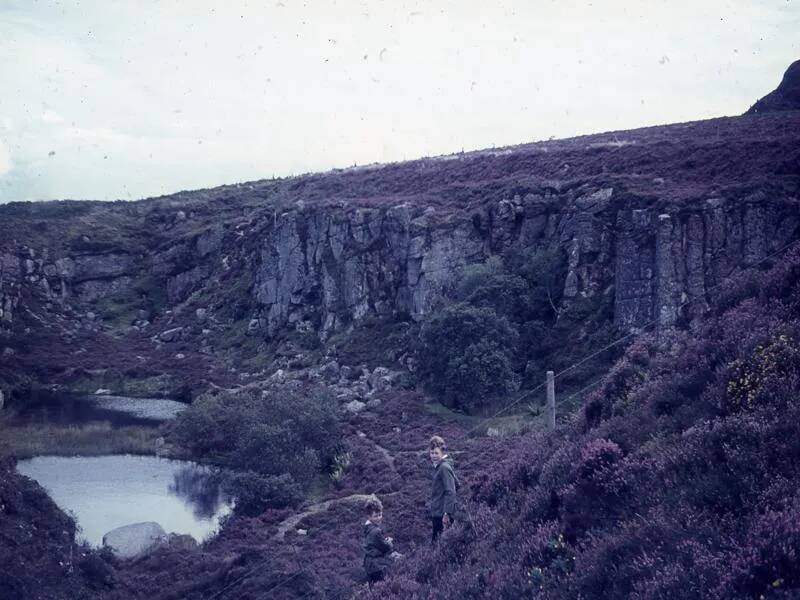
(443, 489)
(378, 551)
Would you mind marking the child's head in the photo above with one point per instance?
(374, 510)
(436, 448)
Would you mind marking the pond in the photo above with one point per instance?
(105, 492)
(119, 411)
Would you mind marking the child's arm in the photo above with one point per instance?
(380, 543)
(385, 543)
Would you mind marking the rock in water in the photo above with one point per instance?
(133, 540)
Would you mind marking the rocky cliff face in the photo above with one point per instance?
(323, 269)
(650, 221)
(785, 97)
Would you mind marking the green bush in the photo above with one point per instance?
(464, 355)
(277, 442)
(255, 492)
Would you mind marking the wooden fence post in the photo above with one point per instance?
(551, 401)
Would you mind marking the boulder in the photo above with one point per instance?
(171, 335)
(180, 541)
(329, 371)
(134, 540)
(355, 406)
(382, 378)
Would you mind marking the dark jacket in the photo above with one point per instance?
(377, 549)
(443, 491)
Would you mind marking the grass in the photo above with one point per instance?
(518, 422)
(86, 440)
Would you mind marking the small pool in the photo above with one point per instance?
(119, 411)
(105, 492)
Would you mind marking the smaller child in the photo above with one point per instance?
(378, 551)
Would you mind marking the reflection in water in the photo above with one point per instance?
(201, 489)
(105, 492)
(119, 411)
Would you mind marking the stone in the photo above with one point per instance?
(210, 240)
(171, 335)
(329, 371)
(373, 403)
(355, 406)
(179, 541)
(278, 376)
(302, 532)
(134, 540)
(383, 378)
(96, 289)
(201, 314)
(180, 286)
(102, 392)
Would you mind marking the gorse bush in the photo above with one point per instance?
(275, 443)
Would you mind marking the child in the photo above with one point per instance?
(378, 551)
(444, 499)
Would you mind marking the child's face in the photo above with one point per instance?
(436, 454)
(376, 517)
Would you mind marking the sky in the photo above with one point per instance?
(116, 99)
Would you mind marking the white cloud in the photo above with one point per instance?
(50, 116)
(5, 159)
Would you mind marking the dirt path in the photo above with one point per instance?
(294, 520)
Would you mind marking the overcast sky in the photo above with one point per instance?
(116, 99)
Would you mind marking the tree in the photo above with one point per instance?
(464, 356)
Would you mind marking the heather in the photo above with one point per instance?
(678, 477)
(38, 555)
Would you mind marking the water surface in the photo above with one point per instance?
(105, 492)
(119, 411)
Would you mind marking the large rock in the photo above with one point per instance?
(355, 406)
(785, 97)
(134, 540)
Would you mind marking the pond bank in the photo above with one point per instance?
(87, 426)
(92, 439)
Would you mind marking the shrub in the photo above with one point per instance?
(255, 492)
(464, 355)
(277, 441)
